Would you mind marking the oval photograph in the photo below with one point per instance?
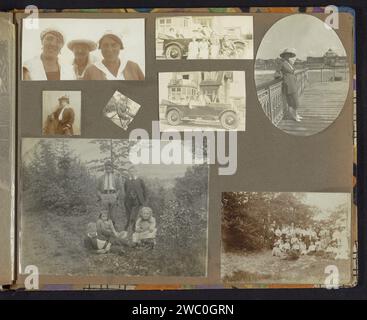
(301, 75)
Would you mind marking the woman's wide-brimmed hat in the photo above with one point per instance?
(64, 97)
(89, 43)
(57, 33)
(289, 51)
(114, 36)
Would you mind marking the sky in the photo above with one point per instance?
(132, 32)
(87, 151)
(327, 201)
(307, 34)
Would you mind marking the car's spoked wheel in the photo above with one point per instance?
(173, 52)
(229, 120)
(174, 118)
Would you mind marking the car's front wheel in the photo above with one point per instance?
(173, 52)
(229, 120)
(173, 118)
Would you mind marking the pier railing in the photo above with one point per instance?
(272, 99)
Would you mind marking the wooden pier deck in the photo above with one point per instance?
(320, 105)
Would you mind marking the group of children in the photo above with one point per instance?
(292, 242)
(102, 236)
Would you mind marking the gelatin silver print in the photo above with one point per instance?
(286, 238)
(88, 210)
(301, 75)
(204, 37)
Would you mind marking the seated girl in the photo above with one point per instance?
(106, 229)
(145, 227)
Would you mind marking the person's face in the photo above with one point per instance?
(110, 49)
(145, 215)
(104, 216)
(63, 102)
(51, 45)
(81, 51)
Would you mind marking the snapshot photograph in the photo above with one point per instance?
(84, 49)
(286, 238)
(88, 210)
(302, 75)
(121, 110)
(61, 113)
(192, 100)
(204, 37)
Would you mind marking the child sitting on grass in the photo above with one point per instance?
(93, 242)
(145, 227)
(106, 229)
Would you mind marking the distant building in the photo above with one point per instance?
(329, 59)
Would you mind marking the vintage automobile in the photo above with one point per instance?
(219, 112)
(178, 48)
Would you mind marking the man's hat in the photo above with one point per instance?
(89, 43)
(64, 97)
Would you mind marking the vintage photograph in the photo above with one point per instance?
(204, 37)
(214, 100)
(301, 75)
(286, 238)
(121, 110)
(61, 112)
(87, 210)
(84, 49)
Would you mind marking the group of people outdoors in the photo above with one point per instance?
(206, 43)
(49, 66)
(140, 224)
(290, 242)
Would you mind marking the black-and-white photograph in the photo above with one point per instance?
(121, 110)
(5, 129)
(88, 210)
(61, 113)
(301, 75)
(204, 37)
(84, 49)
(202, 100)
(286, 238)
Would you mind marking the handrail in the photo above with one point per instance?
(271, 96)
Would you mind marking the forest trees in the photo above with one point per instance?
(246, 217)
(56, 180)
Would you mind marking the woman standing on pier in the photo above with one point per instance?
(290, 87)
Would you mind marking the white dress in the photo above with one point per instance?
(108, 74)
(37, 71)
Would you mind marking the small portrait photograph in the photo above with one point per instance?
(204, 37)
(286, 238)
(208, 100)
(84, 49)
(121, 110)
(61, 113)
(89, 210)
(301, 74)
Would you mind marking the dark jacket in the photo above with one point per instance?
(289, 78)
(65, 125)
(135, 190)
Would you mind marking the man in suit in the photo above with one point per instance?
(109, 189)
(135, 197)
